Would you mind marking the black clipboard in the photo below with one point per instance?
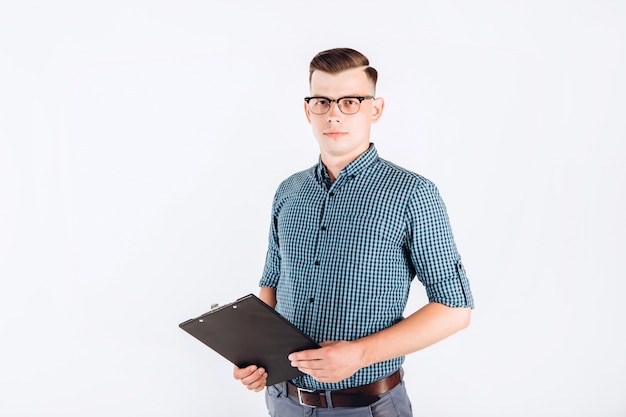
(248, 331)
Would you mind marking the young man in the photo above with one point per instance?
(346, 239)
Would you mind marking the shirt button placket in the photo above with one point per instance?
(322, 243)
(322, 231)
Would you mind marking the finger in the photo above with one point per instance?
(253, 376)
(321, 375)
(306, 355)
(255, 379)
(240, 373)
(258, 384)
(308, 366)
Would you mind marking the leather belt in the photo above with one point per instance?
(350, 397)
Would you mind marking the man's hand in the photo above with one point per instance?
(253, 377)
(333, 362)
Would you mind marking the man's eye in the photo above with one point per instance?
(321, 102)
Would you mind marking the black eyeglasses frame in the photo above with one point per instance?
(330, 102)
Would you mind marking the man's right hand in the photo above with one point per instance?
(253, 377)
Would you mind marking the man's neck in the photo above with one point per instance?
(334, 164)
(333, 167)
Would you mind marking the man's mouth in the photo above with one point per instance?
(334, 133)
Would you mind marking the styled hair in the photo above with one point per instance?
(337, 60)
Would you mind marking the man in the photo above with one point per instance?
(347, 237)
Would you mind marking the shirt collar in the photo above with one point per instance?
(351, 170)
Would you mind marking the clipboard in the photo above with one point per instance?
(247, 332)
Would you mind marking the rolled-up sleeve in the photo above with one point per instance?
(271, 271)
(432, 249)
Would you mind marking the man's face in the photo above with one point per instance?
(343, 136)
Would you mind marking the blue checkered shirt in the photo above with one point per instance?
(342, 255)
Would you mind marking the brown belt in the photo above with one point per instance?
(350, 397)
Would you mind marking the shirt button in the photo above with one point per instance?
(317, 263)
(331, 194)
(311, 300)
(323, 227)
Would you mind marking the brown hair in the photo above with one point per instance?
(337, 60)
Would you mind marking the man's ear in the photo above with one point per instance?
(377, 109)
(307, 112)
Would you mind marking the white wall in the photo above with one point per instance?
(137, 168)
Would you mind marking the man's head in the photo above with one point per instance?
(342, 105)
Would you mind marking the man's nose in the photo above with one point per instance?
(334, 111)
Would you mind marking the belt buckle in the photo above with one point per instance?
(308, 391)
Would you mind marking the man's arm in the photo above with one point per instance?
(268, 295)
(253, 377)
(338, 360)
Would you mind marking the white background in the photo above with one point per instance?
(141, 143)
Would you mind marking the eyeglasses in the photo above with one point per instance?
(347, 105)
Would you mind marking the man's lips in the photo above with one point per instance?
(334, 133)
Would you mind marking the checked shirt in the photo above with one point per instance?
(342, 255)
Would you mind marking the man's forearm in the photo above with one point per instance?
(268, 296)
(427, 326)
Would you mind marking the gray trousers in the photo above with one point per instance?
(393, 403)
